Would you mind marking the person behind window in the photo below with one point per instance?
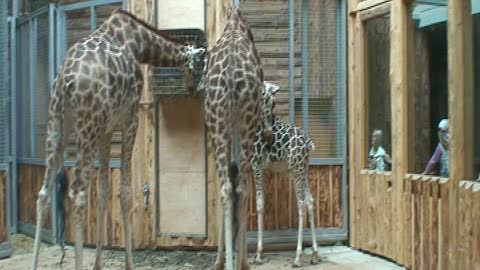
(440, 156)
(378, 157)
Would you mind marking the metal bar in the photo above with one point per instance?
(36, 13)
(291, 61)
(93, 19)
(13, 192)
(67, 163)
(51, 75)
(305, 64)
(326, 161)
(33, 85)
(324, 235)
(29, 229)
(342, 26)
(88, 4)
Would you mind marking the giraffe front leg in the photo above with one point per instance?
(260, 201)
(102, 196)
(315, 256)
(220, 261)
(296, 262)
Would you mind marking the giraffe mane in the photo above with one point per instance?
(148, 26)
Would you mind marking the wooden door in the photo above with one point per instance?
(182, 167)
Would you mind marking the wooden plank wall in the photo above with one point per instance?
(281, 212)
(427, 215)
(3, 207)
(29, 183)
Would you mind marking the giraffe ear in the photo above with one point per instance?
(198, 52)
(271, 87)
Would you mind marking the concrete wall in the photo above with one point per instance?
(181, 14)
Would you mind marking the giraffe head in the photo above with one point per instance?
(193, 55)
(268, 105)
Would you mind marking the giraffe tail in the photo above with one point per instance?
(57, 133)
(61, 190)
(233, 175)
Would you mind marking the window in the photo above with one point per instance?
(429, 88)
(377, 83)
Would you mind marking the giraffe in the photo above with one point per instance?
(289, 151)
(98, 89)
(233, 84)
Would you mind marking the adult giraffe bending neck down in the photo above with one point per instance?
(97, 89)
(233, 87)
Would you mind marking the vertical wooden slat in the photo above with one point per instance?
(445, 217)
(461, 225)
(337, 196)
(399, 80)
(354, 171)
(434, 224)
(3, 207)
(461, 113)
(427, 220)
(408, 220)
(417, 220)
(468, 228)
(371, 211)
(362, 209)
(476, 229)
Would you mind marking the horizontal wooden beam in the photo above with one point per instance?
(376, 11)
(368, 4)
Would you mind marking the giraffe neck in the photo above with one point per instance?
(146, 43)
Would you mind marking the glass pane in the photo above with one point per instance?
(429, 89)
(379, 125)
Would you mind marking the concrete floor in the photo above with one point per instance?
(333, 258)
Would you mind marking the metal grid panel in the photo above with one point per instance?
(23, 90)
(320, 108)
(4, 91)
(170, 81)
(42, 84)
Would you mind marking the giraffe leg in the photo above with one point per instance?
(260, 201)
(78, 194)
(311, 217)
(222, 154)
(297, 262)
(220, 261)
(43, 201)
(297, 176)
(129, 134)
(242, 189)
(102, 195)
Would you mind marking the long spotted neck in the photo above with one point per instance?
(147, 45)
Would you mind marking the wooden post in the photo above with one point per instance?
(399, 45)
(461, 102)
(352, 142)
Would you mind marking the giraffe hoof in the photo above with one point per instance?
(258, 259)
(296, 264)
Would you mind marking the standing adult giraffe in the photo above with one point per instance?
(96, 90)
(233, 86)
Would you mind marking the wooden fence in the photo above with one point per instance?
(3, 208)
(427, 217)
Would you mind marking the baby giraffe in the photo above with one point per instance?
(289, 151)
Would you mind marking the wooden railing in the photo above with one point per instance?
(427, 217)
(374, 213)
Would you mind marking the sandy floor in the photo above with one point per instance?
(334, 258)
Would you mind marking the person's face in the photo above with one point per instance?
(375, 140)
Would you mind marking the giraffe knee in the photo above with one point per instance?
(79, 197)
(226, 194)
(43, 196)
